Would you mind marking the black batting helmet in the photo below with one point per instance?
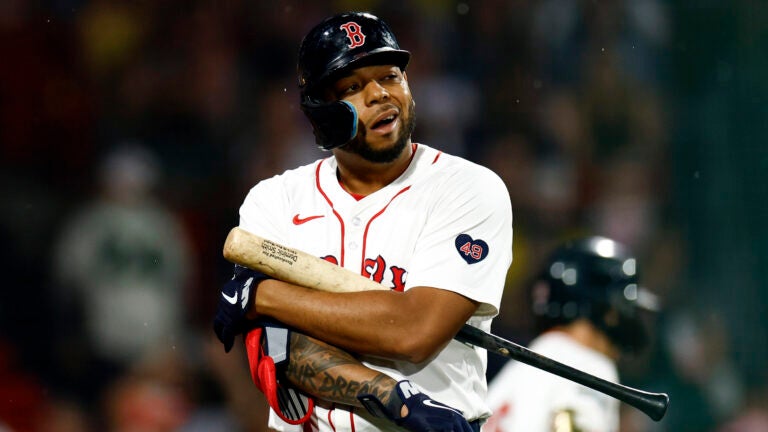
(338, 44)
(345, 41)
(594, 278)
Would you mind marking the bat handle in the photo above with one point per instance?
(654, 405)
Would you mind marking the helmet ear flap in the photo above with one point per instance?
(334, 123)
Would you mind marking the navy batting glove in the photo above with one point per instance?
(424, 413)
(235, 299)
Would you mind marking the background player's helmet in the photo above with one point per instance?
(338, 44)
(594, 278)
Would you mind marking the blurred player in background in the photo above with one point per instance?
(435, 228)
(588, 308)
(120, 267)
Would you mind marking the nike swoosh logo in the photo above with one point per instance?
(230, 299)
(298, 221)
(431, 403)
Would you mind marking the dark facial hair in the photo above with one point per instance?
(361, 147)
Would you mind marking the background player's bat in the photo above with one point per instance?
(300, 268)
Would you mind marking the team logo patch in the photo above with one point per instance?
(354, 34)
(472, 251)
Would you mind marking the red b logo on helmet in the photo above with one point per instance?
(354, 34)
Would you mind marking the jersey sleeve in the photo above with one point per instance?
(466, 244)
(262, 211)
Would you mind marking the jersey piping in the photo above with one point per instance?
(330, 203)
(341, 220)
(368, 225)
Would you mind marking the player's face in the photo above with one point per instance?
(385, 110)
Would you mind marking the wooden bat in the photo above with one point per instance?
(300, 268)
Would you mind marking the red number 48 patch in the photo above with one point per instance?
(472, 251)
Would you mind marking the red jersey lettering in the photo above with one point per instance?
(374, 268)
(331, 259)
(398, 278)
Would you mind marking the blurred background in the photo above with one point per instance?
(130, 132)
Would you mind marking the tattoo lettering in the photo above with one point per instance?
(332, 374)
(339, 388)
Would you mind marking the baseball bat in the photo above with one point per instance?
(300, 268)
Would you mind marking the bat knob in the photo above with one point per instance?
(656, 405)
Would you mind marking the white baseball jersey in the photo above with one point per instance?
(445, 222)
(525, 399)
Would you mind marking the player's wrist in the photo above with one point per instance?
(415, 411)
(252, 311)
(393, 406)
(396, 405)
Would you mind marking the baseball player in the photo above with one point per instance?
(588, 306)
(435, 228)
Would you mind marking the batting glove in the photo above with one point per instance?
(424, 413)
(235, 300)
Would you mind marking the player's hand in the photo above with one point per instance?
(415, 411)
(235, 300)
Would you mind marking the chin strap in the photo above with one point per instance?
(334, 123)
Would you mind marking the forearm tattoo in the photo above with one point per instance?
(332, 374)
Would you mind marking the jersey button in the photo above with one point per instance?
(353, 245)
(356, 221)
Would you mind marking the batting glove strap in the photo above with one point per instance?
(424, 413)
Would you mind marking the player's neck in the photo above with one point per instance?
(585, 333)
(361, 177)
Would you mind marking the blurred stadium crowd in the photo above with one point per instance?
(130, 132)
